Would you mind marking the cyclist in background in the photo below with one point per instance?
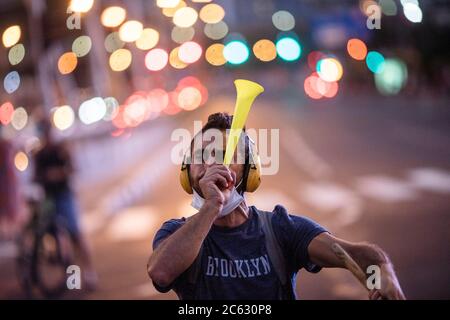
(53, 171)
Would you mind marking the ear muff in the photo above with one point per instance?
(252, 170)
(184, 176)
(253, 179)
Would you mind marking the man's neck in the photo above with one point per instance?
(235, 218)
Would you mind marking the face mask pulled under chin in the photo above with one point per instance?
(233, 202)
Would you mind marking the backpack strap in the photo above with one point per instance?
(273, 247)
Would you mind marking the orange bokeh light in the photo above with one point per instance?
(356, 49)
(67, 62)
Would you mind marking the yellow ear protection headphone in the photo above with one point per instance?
(251, 178)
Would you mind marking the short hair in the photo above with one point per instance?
(218, 120)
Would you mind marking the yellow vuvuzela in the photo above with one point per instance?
(247, 91)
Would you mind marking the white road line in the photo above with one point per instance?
(332, 198)
(267, 199)
(385, 189)
(132, 224)
(430, 179)
(303, 156)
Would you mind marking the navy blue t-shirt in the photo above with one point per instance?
(235, 264)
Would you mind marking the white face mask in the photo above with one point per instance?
(232, 203)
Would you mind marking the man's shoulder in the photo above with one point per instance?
(173, 223)
(282, 218)
(166, 229)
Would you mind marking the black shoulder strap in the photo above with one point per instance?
(273, 247)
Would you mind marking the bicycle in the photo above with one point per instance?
(45, 250)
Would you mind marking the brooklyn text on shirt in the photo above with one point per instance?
(241, 268)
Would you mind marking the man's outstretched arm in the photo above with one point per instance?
(365, 254)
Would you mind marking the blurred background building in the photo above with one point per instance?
(359, 91)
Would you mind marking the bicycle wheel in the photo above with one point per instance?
(24, 261)
(52, 255)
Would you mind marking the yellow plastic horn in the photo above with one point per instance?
(247, 91)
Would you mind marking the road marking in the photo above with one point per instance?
(267, 199)
(303, 156)
(431, 179)
(132, 224)
(385, 189)
(330, 197)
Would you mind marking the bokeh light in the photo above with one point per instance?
(81, 5)
(309, 86)
(212, 13)
(375, 61)
(175, 61)
(317, 88)
(194, 82)
(288, 49)
(81, 46)
(357, 49)
(120, 60)
(113, 16)
(11, 82)
(412, 12)
(265, 50)
(236, 52)
(167, 3)
(283, 20)
(67, 63)
(113, 42)
(366, 6)
(148, 39)
(190, 52)
(63, 117)
(313, 58)
(136, 109)
(185, 17)
(388, 7)
(214, 54)
(181, 35)
(92, 110)
(169, 12)
(189, 98)
(330, 69)
(112, 108)
(172, 108)
(392, 78)
(11, 36)
(130, 31)
(158, 99)
(216, 31)
(21, 161)
(6, 113)
(19, 118)
(156, 59)
(118, 120)
(16, 54)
